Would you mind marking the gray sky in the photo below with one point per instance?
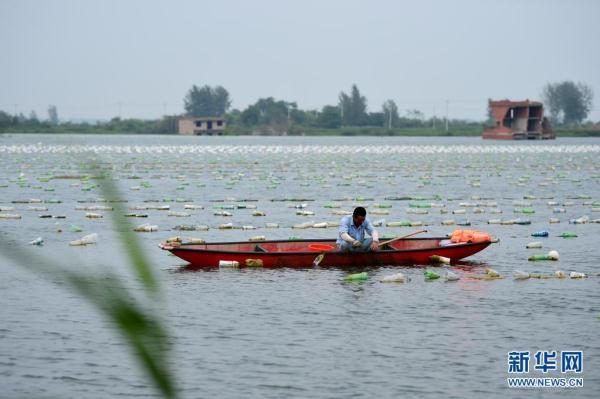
(87, 57)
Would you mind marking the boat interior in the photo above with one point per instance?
(308, 246)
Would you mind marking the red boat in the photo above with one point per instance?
(303, 253)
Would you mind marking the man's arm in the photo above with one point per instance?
(374, 235)
(372, 232)
(344, 226)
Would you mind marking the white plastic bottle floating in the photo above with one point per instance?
(521, 275)
(342, 213)
(272, 225)
(395, 278)
(85, 240)
(92, 215)
(451, 276)
(577, 275)
(146, 228)
(448, 222)
(37, 241)
(320, 225)
(535, 244)
(229, 263)
(559, 274)
(94, 208)
(192, 206)
(439, 259)
(304, 225)
(554, 220)
(300, 213)
(10, 216)
(581, 220)
(257, 238)
(410, 210)
(459, 211)
(259, 213)
(491, 272)
(494, 221)
(178, 214)
(382, 212)
(193, 240)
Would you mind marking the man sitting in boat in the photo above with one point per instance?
(351, 236)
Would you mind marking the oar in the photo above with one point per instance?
(381, 244)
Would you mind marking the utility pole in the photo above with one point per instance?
(446, 116)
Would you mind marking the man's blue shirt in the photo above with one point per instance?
(358, 233)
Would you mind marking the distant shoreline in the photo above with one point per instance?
(311, 132)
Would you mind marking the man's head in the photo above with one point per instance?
(359, 215)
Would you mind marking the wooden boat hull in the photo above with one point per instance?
(297, 254)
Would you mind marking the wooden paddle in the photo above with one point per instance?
(381, 244)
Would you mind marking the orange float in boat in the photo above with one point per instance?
(469, 236)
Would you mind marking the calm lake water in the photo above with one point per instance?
(304, 333)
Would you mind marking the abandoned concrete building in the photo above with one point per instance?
(518, 120)
(210, 125)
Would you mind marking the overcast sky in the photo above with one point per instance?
(99, 59)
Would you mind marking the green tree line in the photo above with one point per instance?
(568, 104)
